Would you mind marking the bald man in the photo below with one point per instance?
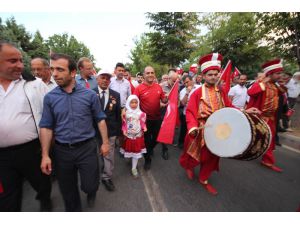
(150, 94)
(40, 68)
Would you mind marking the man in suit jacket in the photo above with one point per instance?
(110, 103)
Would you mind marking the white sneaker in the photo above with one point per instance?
(135, 173)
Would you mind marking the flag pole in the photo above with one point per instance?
(222, 73)
(174, 85)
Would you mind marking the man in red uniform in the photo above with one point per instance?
(203, 102)
(150, 94)
(264, 95)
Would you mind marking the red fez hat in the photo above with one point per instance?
(272, 66)
(194, 68)
(210, 62)
(179, 70)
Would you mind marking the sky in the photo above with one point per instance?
(109, 27)
(108, 35)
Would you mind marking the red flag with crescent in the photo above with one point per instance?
(167, 129)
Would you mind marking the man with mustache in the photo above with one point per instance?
(21, 106)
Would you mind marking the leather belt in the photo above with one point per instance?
(73, 145)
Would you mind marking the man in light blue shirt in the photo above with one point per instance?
(86, 77)
(120, 84)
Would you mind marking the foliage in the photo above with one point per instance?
(37, 46)
(68, 45)
(141, 57)
(172, 39)
(281, 31)
(237, 37)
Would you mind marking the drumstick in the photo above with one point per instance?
(204, 126)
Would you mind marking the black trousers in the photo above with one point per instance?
(292, 102)
(16, 163)
(68, 162)
(183, 129)
(150, 136)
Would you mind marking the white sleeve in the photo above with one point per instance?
(231, 91)
(182, 94)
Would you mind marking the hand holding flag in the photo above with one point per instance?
(235, 73)
(167, 129)
(226, 77)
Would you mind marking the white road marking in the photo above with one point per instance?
(290, 148)
(153, 192)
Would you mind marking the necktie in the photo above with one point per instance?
(87, 84)
(102, 100)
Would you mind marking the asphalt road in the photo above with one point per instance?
(242, 186)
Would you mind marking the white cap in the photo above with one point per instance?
(296, 74)
(104, 71)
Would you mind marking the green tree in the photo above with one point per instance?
(281, 31)
(68, 45)
(237, 37)
(141, 57)
(38, 47)
(173, 35)
(15, 33)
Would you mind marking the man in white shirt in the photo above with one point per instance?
(40, 68)
(120, 84)
(21, 106)
(138, 79)
(293, 87)
(238, 93)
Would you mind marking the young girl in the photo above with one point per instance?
(133, 127)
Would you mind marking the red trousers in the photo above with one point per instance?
(209, 162)
(268, 157)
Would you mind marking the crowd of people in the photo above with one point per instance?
(59, 120)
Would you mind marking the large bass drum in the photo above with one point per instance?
(231, 133)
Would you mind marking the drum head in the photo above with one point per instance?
(227, 132)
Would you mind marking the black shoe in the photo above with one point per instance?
(278, 144)
(109, 185)
(280, 129)
(46, 205)
(121, 155)
(165, 154)
(147, 164)
(90, 198)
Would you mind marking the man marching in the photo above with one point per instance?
(202, 103)
(264, 95)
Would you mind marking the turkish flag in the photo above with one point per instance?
(167, 129)
(226, 77)
(132, 88)
(235, 73)
(179, 70)
(194, 68)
